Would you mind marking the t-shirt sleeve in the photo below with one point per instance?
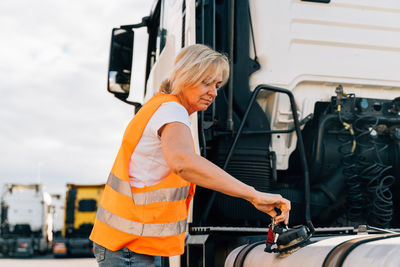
(169, 112)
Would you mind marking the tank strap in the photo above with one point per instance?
(338, 254)
(241, 256)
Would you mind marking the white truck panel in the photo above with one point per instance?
(58, 204)
(25, 207)
(351, 42)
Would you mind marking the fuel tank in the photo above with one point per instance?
(367, 250)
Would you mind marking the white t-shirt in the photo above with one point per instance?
(147, 165)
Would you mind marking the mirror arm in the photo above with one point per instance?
(123, 99)
(144, 23)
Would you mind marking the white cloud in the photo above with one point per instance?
(54, 108)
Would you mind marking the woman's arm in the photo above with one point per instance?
(178, 149)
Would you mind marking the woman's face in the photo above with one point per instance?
(200, 97)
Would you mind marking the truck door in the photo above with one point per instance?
(176, 30)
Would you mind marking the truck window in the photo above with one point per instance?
(87, 205)
(153, 30)
(317, 1)
(164, 22)
(169, 9)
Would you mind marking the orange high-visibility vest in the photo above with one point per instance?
(149, 220)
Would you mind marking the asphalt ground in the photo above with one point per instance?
(47, 261)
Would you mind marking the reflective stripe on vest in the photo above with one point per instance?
(119, 185)
(160, 195)
(140, 229)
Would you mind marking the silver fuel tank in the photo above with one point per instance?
(347, 251)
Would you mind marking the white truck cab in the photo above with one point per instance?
(311, 111)
(26, 220)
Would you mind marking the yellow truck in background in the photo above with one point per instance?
(81, 202)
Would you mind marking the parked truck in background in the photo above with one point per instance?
(311, 111)
(81, 202)
(26, 221)
(58, 213)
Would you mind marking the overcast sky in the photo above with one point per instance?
(57, 121)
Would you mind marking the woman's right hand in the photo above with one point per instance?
(267, 203)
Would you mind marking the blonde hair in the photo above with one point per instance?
(193, 65)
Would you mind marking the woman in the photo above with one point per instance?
(146, 200)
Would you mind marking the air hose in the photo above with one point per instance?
(368, 179)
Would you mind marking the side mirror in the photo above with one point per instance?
(120, 63)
